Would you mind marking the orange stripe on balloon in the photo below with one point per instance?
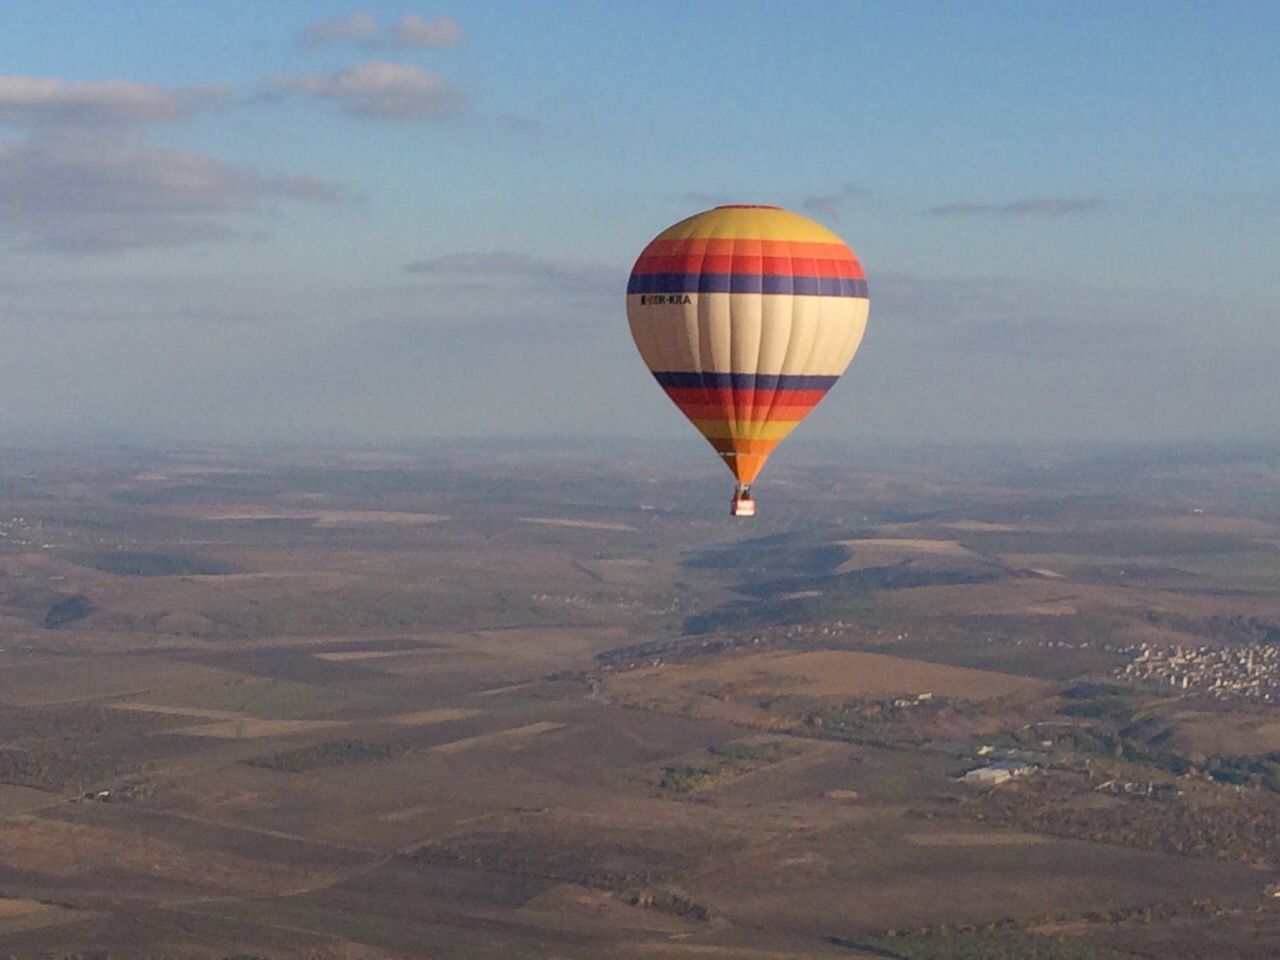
(761, 413)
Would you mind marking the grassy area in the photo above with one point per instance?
(67, 610)
(1129, 729)
(723, 762)
(335, 753)
(979, 946)
(137, 563)
(685, 778)
(271, 699)
(359, 610)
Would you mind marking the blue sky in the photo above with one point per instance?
(1069, 214)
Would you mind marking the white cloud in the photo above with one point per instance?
(80, 192)
(357, 25)
(49, 102)
(378, 89)
(417, 31)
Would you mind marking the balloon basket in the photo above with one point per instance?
(742, 505)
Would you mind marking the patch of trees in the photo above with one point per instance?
(606, 863)
(687, 778)
(978, 946)
(56, 769)
(1243, 826)
(1089, 690)
(887, 721)
(75, 724)
(1246, 771)
(1246, 629)
(763, 557)
(722, 762)
(848, 597)
(1143, 743)
(752, 754)
(334, 753)
(669, 901)
(138, 563)
(67, 610)
(680, 648)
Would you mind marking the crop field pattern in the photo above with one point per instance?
(305, 705)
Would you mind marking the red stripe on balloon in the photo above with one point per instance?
(745, 404)
(747, 263)
(722, 396)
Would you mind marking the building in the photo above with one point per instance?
(995, 774)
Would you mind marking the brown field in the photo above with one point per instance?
(267, 698)
(433, 715)
(249, 727)
(981, 526)
(822, 674)
(323, 518)
(70, 680)
(1044, 572)
(1052, 608)
(887, 551)
(861, 877)
(1211, 524)
(137, 706)
(973, 839)
(15, 799)
(345, 655)
(579, 524)
(19, 915)
(1225, 734)
(946, 548)
(499, 737)
(18, 908)
(61, 850)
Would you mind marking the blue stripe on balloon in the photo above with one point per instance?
(746, 283)
(743, 381)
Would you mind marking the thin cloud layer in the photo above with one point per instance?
(416, 31)
(704, 199)
(1007, 317)
(357, 25)
(43, 102)
(410, 31)
(1033, 207)
(830, 204)
(80, 192)
(378, 89)
(506, 266)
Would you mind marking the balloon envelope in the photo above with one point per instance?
(746, 315)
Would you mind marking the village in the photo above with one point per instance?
(1247, 672)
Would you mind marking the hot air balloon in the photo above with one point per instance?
(746, 314)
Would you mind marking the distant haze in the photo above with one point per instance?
(282, 222)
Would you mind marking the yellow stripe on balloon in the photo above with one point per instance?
(766, 223)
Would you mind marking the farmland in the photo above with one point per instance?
(310, 705)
